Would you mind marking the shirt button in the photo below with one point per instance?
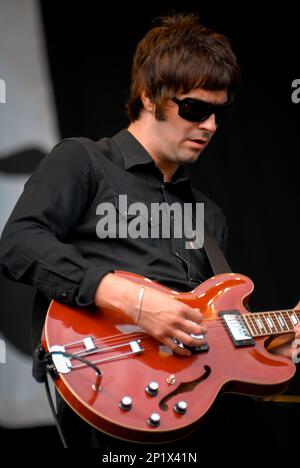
(62, 295)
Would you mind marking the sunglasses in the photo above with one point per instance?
(196, 110)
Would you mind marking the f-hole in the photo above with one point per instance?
(185, 387)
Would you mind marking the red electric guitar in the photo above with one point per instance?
(136, 389)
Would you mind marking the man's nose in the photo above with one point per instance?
(209, 124)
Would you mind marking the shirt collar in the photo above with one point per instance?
(132, 151)
(134, 154)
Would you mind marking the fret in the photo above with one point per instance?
(293, 317)
(248, 321)
(254, 320)
(254, 325)
(273, 322)
(260, 324)
(266, 329)
(282, 321)
(263, 317)
(276, 321)
(288, 321)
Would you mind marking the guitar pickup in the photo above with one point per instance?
(237, 328)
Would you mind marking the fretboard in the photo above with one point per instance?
(273, 322)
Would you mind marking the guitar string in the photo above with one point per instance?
(205, 320)
(136, 335)
(148, 342)
(148, 346)
(118, 339)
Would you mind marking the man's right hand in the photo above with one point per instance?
(161, 316)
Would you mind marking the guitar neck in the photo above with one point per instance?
(273, 322)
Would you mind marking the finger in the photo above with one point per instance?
(189, 340)
(193, 328)
(193, 314)
(297, 330)
(176, 348)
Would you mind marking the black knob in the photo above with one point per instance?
(180, 407)
(153, 420)
(152, 388)
(126, 403)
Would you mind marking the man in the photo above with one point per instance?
(184, 79)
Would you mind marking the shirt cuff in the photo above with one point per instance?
(89, 284)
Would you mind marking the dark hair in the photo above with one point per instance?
(179, 55)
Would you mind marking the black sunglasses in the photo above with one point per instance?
(196, 110)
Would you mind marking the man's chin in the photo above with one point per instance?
(191, 158)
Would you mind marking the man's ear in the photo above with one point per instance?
(147, 103)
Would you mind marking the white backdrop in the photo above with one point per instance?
(27, 120)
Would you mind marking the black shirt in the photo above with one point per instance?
(50, 240)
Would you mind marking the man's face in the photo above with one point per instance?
(181, 141)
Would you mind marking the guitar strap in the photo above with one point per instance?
(214, 254)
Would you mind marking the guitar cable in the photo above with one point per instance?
(54, 414)
(49, 368)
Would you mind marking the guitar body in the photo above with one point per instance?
(196, 380)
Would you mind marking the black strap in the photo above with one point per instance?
(214, 254)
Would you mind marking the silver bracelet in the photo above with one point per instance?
(141, 295)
